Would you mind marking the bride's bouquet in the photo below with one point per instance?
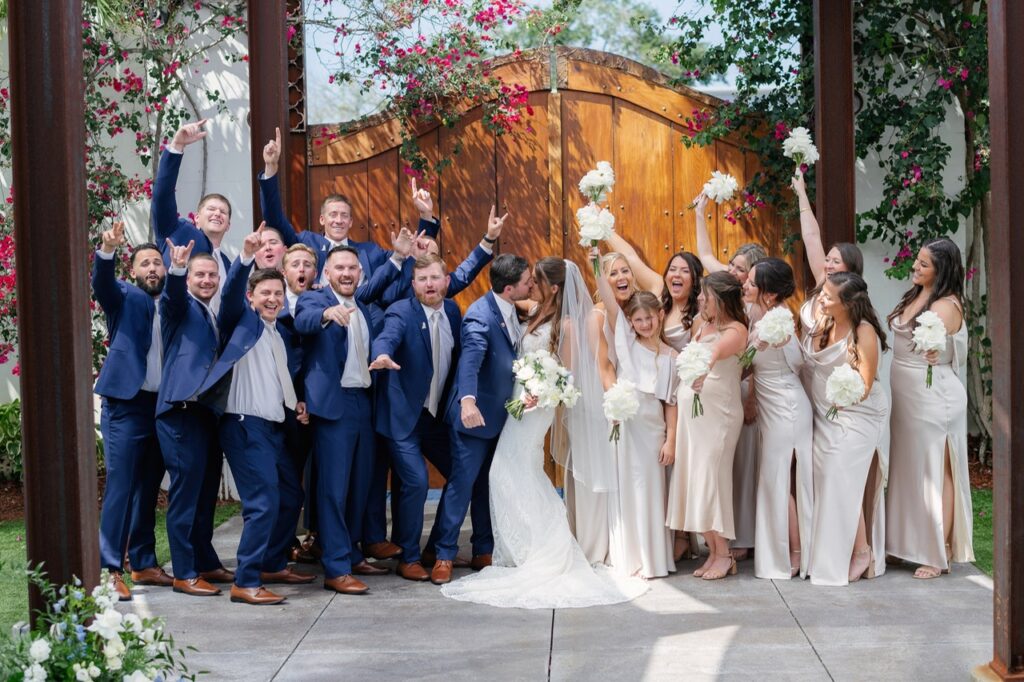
(596, 223)
(543, 379)
(930, 335)
(845, 387)
(799, 147)
(620, 404)
(694, 362)
(776, 327)
(720, 188)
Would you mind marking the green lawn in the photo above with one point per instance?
(982, 502)
(13, 589)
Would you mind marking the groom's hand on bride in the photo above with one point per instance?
(384, 361)
(471, 417)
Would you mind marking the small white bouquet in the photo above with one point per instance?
(800, 147)
(721, 187)
(596, 224)
(844, 387)
(694, 362)
(775, 328)
(596, 184)
(620, 404)
(930, 335)
(544, 379)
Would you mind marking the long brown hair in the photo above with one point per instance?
(552, 271)
(852, 258)
(853, 295)
(696, 273)
(728, 292)
(949, 279)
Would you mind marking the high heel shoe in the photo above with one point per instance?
(699, 573)
(869, 570)
(712, 574)
(949, 559)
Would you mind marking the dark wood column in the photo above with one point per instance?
(268, 90)
(835, 204)
(1006, 327)
(51, 234)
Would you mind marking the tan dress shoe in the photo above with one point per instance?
(287, 577)
(442, 572)
(117, 582)
(219, 575)
(480, 561)
(346, 584)
(301, 555)
(154, 575)
(413, 571)
(259, 596)
(382, 551)
(364, 567)
(197, 587)
(428, 558)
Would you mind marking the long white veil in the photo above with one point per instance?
(579, 441)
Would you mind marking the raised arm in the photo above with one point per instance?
(232, 297)
(810, 231)
(478, 257)
(704, 249)
(174, 299)
(270, 192)
(105, 287)
(648, 279)
(164, 211)
(604, 290)
(376, 286)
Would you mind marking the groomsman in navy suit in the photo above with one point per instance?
(185, 426)
(336, 324)
(128, 384)
(251, 388)
(476, 410)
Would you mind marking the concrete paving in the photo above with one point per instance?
(890, 628)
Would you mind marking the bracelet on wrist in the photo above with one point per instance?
(489, 240)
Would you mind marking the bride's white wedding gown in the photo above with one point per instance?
(537, 562)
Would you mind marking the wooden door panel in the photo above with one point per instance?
(383, 197)
(692, 167)
(730, 235)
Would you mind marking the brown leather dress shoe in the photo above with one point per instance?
(346, 584)
(219, 575)
(197, 587)
(287, 577)
(117, 581)
(364, 567)
(154, 575)
(258, 596)
(442, 572)
(301, 555)
(413, 571)
(428, 558)
(382, 551)
(480, 561)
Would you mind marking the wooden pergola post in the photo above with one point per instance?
(268, 90)
(1006, 327)
(51, 235)
(835, 202)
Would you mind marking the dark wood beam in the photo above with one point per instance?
(52, 249)
(268, 90)
(1006, 327)
(835, 203)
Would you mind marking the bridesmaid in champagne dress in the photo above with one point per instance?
(850, 461)
(785, 420)
(745, 462)
(700, 492)
(928, 505)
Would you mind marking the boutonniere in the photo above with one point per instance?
(423, 325)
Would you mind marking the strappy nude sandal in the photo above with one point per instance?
(712, 574)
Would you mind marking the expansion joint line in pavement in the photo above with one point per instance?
(802, 631)
(304, 634)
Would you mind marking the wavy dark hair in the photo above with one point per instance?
(949, 279)
(852, 258)
(696, 273)
(551, 271)
(728, 292)
(853, 294)
(774, 276)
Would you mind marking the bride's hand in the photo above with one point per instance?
(530, 401)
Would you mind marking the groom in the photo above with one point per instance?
(476, 410)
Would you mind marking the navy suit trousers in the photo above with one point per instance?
(470, 469)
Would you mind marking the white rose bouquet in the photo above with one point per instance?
(543, 378)
(694, 362)
(721, 187)
(775, 328)
(621, 403)
(596, 224)
(596, 184)
(930, 335)
(844, 387)
(799, 147)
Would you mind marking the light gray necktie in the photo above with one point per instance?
(515, 331)
(281, 365)
(355, 335)
(435, 355)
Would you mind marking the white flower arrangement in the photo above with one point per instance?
(543, 378)
(721, 187)
(800, 147)
(596, 184)
(620, 404)
(775, 328)
(596, 224)
(844, 387)
(694, 361)
(929, 335)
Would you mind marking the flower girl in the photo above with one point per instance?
(641, 407)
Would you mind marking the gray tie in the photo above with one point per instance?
(355, 335)
(515, 331)
(281, 365)
(435, 355)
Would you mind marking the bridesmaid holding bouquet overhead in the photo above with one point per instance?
(929, 499)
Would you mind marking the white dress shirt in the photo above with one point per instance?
(290, 300)
(510, 317)
(255, 389)
(355, 374)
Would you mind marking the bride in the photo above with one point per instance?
(537, 562)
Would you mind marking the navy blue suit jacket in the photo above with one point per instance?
(129, 311)
(190, 344)
(164, 213)
(484, 369)
(325, 351)
(406, 339)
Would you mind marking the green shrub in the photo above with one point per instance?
(10, 443)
